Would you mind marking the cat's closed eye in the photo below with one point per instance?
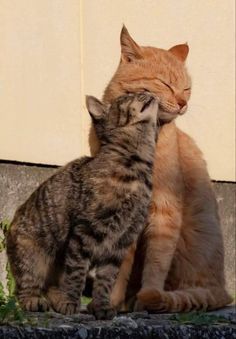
(166, 84)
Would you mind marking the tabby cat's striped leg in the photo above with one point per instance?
(30, 266)
(65, 298)
(105, 279)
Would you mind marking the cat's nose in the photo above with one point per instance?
(181, 103)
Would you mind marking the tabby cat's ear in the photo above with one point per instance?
(180, 51)
(130, 50)
(95, 107)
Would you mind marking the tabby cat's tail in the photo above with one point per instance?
(197, 298)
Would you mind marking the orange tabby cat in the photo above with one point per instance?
(181, 248)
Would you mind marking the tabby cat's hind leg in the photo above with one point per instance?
(30, 266)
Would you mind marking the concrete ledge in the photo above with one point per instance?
(133, 325)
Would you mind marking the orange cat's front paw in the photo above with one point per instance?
(150, 300)
(140, 304)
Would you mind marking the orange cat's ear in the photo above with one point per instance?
(130, 50)
(180, 51)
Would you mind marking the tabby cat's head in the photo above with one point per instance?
(161, 72)
(126, 111)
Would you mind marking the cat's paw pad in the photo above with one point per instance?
(34, 304)
(101, 311)
(67, 308)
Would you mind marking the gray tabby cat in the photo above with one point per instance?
(88, 213)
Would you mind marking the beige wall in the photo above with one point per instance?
(53, 52)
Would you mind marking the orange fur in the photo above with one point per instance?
(119, 291)
(183, 265)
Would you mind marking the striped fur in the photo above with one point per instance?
(88, 213)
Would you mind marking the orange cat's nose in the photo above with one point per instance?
(181, 103)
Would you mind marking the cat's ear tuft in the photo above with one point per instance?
(95, 107)
(130, 50)
(180, 51)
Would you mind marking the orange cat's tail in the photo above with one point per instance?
(184, 300)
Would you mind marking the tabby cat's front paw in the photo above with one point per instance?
(101, 311)
(67, 308)
(34, 304)
(61, 303)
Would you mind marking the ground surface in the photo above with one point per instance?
(218, 324)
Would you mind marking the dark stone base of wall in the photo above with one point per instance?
(17, 182)
(141, 332)
(216, 325)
